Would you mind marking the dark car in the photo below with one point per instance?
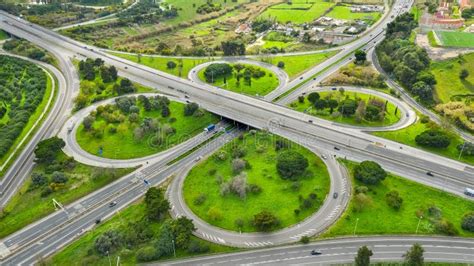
(335, 195)
(113, 203)
(334, 88)
(336, 148)
(97, 221)
(316, 252)
(429, 173)
(311, 121)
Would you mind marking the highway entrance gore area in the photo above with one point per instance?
(236, 132)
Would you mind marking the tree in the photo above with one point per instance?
(360, 56)
(281, 64)
(170, 64)
(369, 172)
(467, 222)
(467, 148)
(313, 97)
(463, 74)
(427, 77)
(361, 201)
(216, 70)
(47, 149)
(332, 104)
(423, 90)
(238, 165)
(164, 243)
(320, 104)
(414, 256)
(433, 138)
(108, 242)
(182, 229)
(38, 179)
(265, 221)
(363, 256)
(190, 109)
(233, 47)
(156, 204)
(347, 107)
(59, 177)
(291, 164)
(394, 200)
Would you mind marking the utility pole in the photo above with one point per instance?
(174, 249)
(462, 149)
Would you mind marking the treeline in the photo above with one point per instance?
(146, 12)
(25, 48)
(407, 62)
(22, 87)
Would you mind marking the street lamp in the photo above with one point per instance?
(108, 256)
(355, 227)
(174, 250)
(418, 225)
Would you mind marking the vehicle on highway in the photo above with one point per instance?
(429, 173)
(311, 121)
(469, 192)
(301, 77)
(186, 96)
(335, 195)
(126, 67)
(113, 203)
(324, 157)
(97, 221)
(198, 159)
(316, 252)
(210, 128)
(336, 148)
(333, 88)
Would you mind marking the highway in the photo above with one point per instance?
(343, 250)
(450, 175)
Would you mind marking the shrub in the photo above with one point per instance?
(446, 227)
(291, 164)
(265, 221)
(108, 242)
(196, 247)
(304, 239)
(199, 200)
(394, 200)
(147, 253)
(59, 177)
(433, 138)
(38, 179)
(369, 172)
(467, 222)
(281, 64)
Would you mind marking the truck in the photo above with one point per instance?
(469, 192)
(210, 128)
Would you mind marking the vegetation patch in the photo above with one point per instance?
(55, 176)
(357, 75)
(25, 91)
(437, 144)
(3, 35)
(456, 39)
(27, 49)
(296, 65)
(243, 78)
(259, 182)
(344, 12)
(135, 127)
(398, 206)
(139, 236)
(349, 107)
(297, 11)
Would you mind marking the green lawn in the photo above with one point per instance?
(407, 136)
(3, 35)
(160, 63)
(280, 197)
(298, 64)
(449, 86)
(28, 205)
(431, 39)
(344, 12)
(379, 218)
(31, 121)
(84, 247)
(123, 145)
(258, 87)
(456, 38)
(298, 12)
(389, 119)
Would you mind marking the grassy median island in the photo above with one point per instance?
(408, 136)
(18, 113)
(369, 207)
(135, 127)
(138, 239)
(54, 176)
(242, 78)
(348, 107)
(257, 177)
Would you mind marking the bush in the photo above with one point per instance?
(291, 164)
(59, 177)
(304, 239)
(196, 247)
(369, 172)
(394, 200)
(199, 200)
(265, 221)
(467, 222)
(170, 64)
(433, 138)
(217, 70)
(147, 253)
(38, 179)
(281, 64)
(108, 242)
(446, 227)
(190, 109)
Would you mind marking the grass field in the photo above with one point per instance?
(306, 107)
(3, 35)
(28, 206)
(160, 63)
(83, 248)
(407, 136)
(379, 218)
(298, 12)
(31, 121)
(456, 39)
(277, 195)
(344, 12)
(123, 145)
(258, 87)
(449, 86)
(298, 64)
